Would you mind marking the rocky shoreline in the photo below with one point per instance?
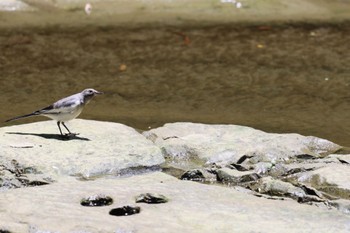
(188, 177)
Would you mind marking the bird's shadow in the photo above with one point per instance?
(53, 136)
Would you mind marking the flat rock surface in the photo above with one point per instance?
(101, 148)
(226, 144)
(192, 207)
(332, 175)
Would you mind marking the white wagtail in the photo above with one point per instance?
(65, 109)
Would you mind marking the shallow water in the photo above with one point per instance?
(277, 78)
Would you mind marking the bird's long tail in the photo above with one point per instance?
(23, 116)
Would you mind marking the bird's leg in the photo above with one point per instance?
(59, 127)
(70, 133)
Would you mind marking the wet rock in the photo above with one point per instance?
(97, 200)
(194, 175)
(201, 175)
(151, 198)
(234, 177)
(227, 144)
(100, 148)
(125, 211)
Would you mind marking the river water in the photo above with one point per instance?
(283, 78)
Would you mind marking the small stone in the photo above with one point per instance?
(195, 175)
(227, 175)
(4, 231)
(125, 211)
(151, 198)
(97, 200)
(122, 67)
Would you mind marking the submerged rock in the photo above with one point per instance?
(226, 144)
(101, 148)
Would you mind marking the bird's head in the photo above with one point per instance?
(89, 93)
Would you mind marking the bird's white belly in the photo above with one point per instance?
(65, 116)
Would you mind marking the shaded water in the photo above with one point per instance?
(278, 78)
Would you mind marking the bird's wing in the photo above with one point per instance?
(65, 105)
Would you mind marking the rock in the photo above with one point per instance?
(4, 231)
(194, 175)
(226, 144)
(332, 179)
(97, 200)
(194, 207)
(125, 211)
(15, 175)
(151, 198)
(262, 168)
(342, 205)
(201, 175)
(101, 148)
(239, 167)
(234, 177)
(14, 5)
(341, 158)
(274, 187)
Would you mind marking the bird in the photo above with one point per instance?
(65, 109)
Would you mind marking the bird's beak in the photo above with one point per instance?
(98, 92)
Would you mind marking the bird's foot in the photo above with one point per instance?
(69, 135)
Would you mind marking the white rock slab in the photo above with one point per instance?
(336, 175)
(100, 148)
(14, 5)
(228, 143)
(192, 208)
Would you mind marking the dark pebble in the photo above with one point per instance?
(125, 211)
(151, 198)
(195, 175)
(97, 200)
(4, 231)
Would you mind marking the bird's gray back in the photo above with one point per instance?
(70, 101)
